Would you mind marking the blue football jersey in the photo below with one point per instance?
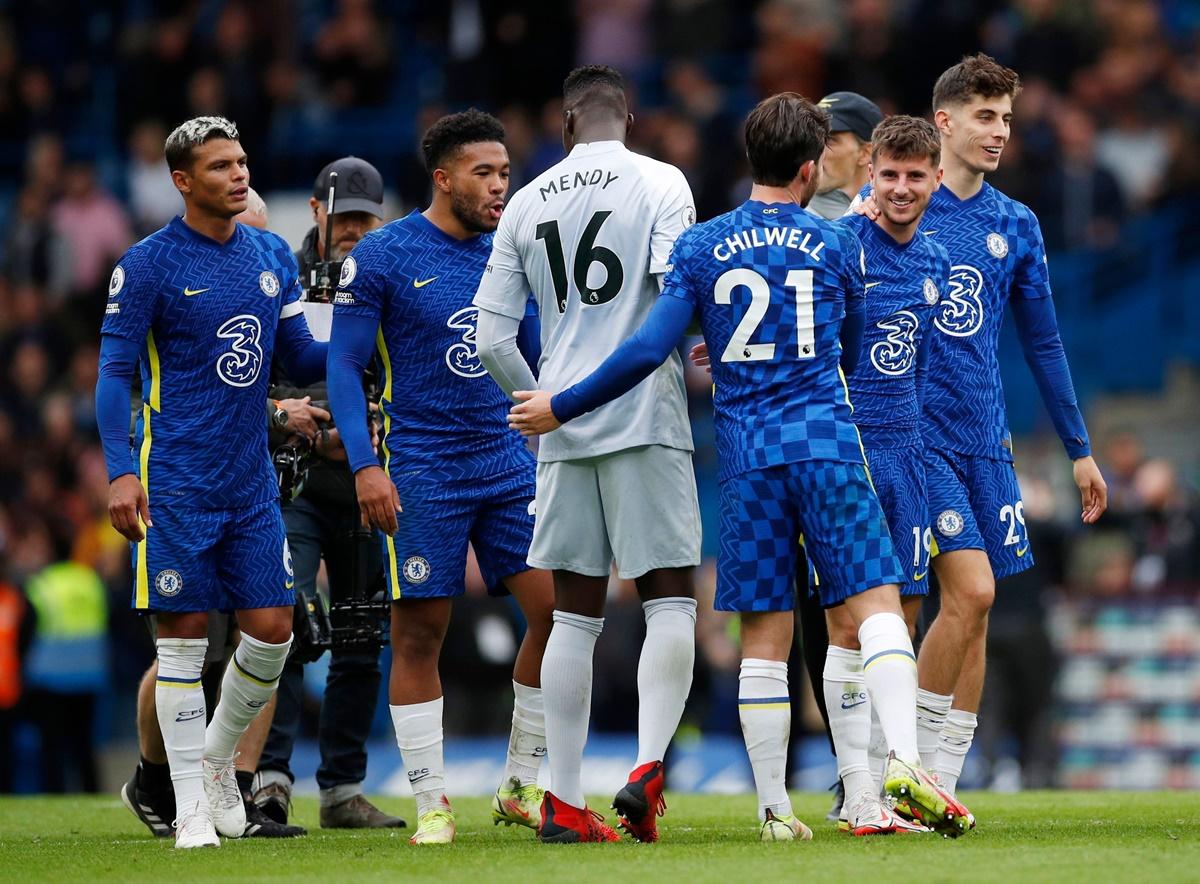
(996, 253)
(770, 284)
(904, 284)
(442, 411)
(205, 314)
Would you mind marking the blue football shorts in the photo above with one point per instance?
(427, 558)
(975, 503)
(899, 477)
(197, 560)
(764, 513)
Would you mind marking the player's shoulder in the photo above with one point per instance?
(376, 244)
(1015, 216)
(656, 174)
(268, 243)
(143, 261)
(855, 223)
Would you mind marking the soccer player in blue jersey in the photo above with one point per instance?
(905, 274)
(454, 472)
(779, 295)
(201, 305)
(998, 258)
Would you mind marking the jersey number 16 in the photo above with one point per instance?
(587, 253)
(739, 348)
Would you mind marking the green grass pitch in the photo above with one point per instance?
(1034, 836)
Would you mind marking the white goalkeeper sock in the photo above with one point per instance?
(567, 694)
(664, 675)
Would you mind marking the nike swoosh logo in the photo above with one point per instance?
(929, 232)
(852, 705)
(917, 578)
(870, 285)
(1021, 551)
(418, 283)
(189, 292)
(289, 584)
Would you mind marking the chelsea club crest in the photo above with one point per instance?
(997, 245)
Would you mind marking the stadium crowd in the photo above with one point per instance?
(1104, 135)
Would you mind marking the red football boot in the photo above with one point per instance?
(564, 824)
(641, 801)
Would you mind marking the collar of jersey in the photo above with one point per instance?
(783, 208)
(885, 238)
(417, 217)
(177, 224)
(952, 197)
(591, 148)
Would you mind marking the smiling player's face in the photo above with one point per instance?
(977, 131)
(478, 176)
(218, 182)
(903, 187)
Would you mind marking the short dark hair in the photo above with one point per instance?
(902, 137)
(592, 77)
(977, 74)
(783, 133)
(452, 132)
(190, 135)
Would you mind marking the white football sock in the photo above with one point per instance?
(527, 739)
(567, 695)
(179, 700)
(664, 673)
(419, 736)
(955, 743)
(249, 681)
(849, 716)
(877, 753)
(765, 711)
(932, 710)
(890, 671)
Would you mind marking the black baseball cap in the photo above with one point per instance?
(359, 187)
(851, 112)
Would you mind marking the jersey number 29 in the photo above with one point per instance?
(587, 253)
(739, 348)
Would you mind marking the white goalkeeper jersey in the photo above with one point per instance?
(592, 237)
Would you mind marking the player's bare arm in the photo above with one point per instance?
(1093, 490)
(378, 499)
(532, 415)
(128, 508)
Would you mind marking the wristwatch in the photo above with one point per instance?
(279, 417)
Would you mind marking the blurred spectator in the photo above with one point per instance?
(95, 226)
(67, 665)
(1081, 205)
(16, 635)
(1167, 531)
(351, 53)
(35, 252)
(153, 198)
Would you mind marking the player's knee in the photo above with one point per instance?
(417, 641)
(971, 599)
(843, 634)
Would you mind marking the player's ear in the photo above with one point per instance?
(941, 119)
(182, 181)
(628, 124)
(441, 180)
(568, 130)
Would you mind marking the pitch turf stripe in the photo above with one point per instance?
(907, 655)
(245, 673)
(167, 682)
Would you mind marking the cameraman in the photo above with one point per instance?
(321, 523)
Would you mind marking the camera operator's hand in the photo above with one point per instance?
(374, 419)
(378, 499)
(126, 504)
(329, 445)
(304, 418)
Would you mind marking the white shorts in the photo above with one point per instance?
(637, 506)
